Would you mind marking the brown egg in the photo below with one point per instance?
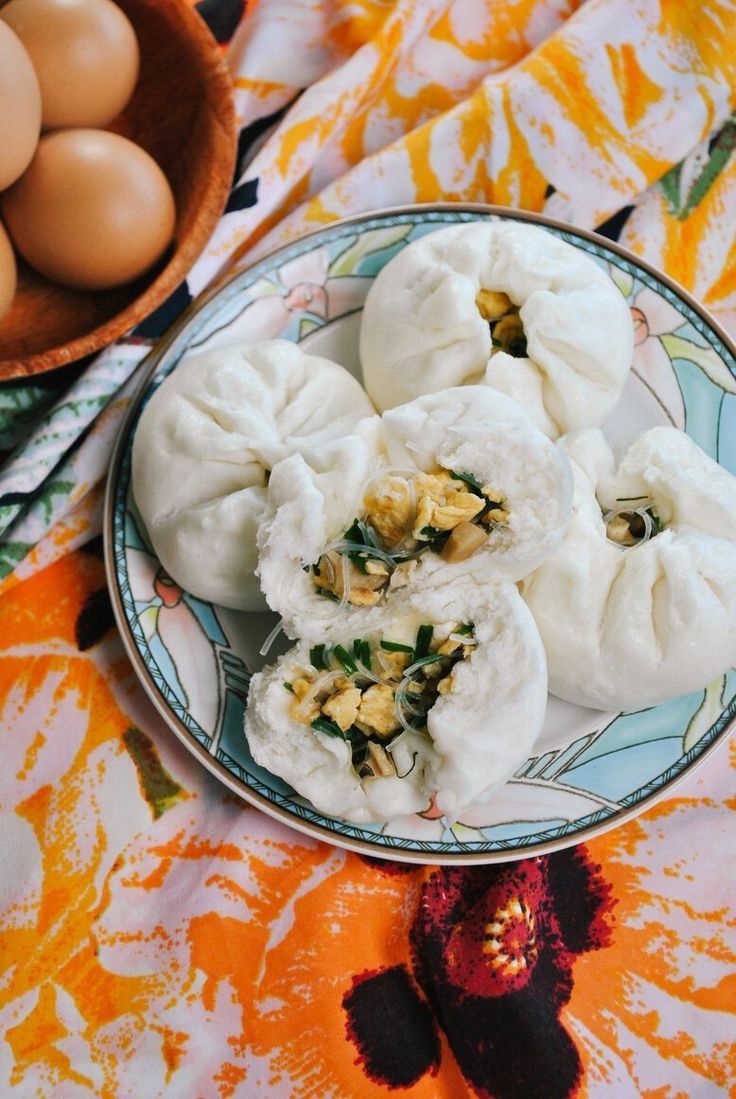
(92, 211)
(8, 274)
(20, 108)
(85, 54)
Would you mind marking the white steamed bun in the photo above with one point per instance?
(314, 498)
(626, 628)
(477, 734)
(205, 445)
(422, 330)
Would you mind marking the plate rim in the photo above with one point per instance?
(147, 369)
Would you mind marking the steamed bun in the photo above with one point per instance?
(205, 445)
(414, 461)
(628, 627)
(486, 708)
(562, 346)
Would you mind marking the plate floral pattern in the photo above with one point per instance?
(195, 660)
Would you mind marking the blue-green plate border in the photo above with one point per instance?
(249, 786)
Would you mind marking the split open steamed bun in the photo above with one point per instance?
(457, 483)
(639, 602)
(508, 305)
(446, 700)
(205, 445)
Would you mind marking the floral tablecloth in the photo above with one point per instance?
(160, 938)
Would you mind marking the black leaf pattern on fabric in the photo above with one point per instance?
(486, 956)
(582, 899)
(613, 226)
(162, 318)
(249, 137)
(94, 548)
(243, 196)
(391, 1027)
(492, 950)
(222, 17)
(94, 619)
(9, 498)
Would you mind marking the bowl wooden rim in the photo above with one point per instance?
(212, 204)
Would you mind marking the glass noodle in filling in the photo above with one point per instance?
(632, 525)
(407, 514)
(375, 692)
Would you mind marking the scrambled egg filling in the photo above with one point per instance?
(404, 516)
(374, 692)
(390, 508)
(507, 331)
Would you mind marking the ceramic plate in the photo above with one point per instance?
(591, 770)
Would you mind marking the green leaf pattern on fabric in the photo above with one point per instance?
(680, 204)
(159, 789)
(18, 408)
(10, 554)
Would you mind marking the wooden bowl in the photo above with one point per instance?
(182, 113)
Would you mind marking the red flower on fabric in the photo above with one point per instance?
(493, 950)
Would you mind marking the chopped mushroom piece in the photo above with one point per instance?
(361, 597)
(378, 761)
(445, 686)
(370, 580)
(376, 568)
(624, 528)
(464, 540)
(343, 707)
(632, 526)
(509, 334)
(403, 574)
(365, 588)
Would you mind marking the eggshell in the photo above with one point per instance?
(85, 54)
(20, 107)
(8, 275)
(92, 211)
